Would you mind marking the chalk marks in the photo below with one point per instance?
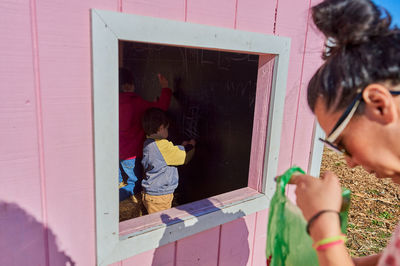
(213, 102)
(212, 88)
(187, 56)
(190, 121)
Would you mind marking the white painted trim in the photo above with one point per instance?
(109, 27)
(317, 150)
(317, 147)
(275, 120)
(105, 117)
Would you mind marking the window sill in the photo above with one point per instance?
(240, 201)
(151, 231)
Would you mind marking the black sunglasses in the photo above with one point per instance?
(343, 121)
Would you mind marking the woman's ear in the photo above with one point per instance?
(379, 104)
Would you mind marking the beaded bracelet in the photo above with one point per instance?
(329, 242)
(316, 216)
(328, 245)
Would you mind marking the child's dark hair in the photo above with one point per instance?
(152, 119)
(125, 77)
(361, 49)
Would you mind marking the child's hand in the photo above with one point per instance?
(163, 81)
(193, 142)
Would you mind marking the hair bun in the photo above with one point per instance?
(350, 21)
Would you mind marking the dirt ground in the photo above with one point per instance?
(374, 210)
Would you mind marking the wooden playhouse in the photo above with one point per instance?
(243, 66)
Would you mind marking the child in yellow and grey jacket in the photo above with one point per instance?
(160, 158)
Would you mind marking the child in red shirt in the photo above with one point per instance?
(131, 134)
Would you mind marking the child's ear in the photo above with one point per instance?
(379, 104)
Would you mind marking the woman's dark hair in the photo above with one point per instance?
(152, 119)
(361, 48)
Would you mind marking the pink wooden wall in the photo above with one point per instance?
(46, 165)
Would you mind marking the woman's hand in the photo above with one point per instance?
(316, 194)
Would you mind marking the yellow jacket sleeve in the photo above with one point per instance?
(171, 153)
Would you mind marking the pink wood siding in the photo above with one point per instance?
(216, 13)
(46, 165)
(260, 238)
(237, 239)
(63, 29)
(255, 15)
(171, 9)
(292, 21)
(164, 256)
(21, 212)
(199, 249)
(305, 121)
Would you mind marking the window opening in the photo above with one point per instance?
(213, 102)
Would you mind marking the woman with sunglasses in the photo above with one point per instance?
(354, 97)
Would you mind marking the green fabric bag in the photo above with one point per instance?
(287, 240)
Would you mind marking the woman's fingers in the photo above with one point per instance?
(315, 194)
(298, 179)
(330, 179)
(327, 177)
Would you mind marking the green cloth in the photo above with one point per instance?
(287, 240)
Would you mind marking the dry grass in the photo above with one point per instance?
(374, 210)
(131, 207)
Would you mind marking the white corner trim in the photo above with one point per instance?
(317, 150)
(107, 28)
(275, 121)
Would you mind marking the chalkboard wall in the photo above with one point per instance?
(213, 102)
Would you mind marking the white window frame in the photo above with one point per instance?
(107, 29)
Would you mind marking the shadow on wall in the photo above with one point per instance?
(233, 245)
(22, 239)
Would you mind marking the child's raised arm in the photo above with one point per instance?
(163, 81)
(189, 148)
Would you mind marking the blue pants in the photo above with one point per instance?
(130, 171)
